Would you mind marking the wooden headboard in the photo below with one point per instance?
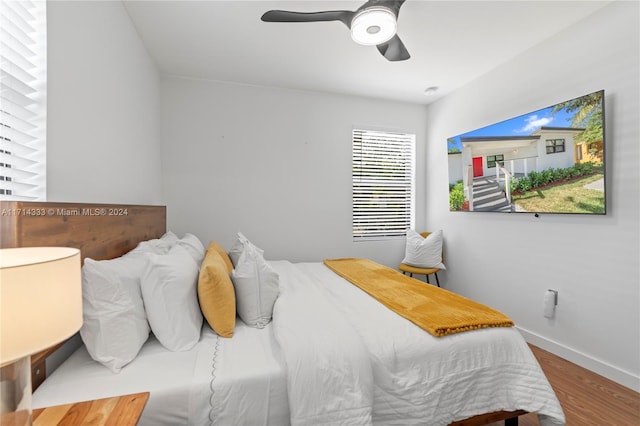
(100, 231)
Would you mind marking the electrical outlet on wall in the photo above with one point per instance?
(550, 303)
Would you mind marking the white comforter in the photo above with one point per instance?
(350, 360)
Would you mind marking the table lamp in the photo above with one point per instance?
(40, 306)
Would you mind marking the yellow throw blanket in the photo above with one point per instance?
(436, 310)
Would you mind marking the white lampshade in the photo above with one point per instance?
(40, 299)
(374, 25)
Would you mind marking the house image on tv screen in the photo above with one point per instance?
(531, 164)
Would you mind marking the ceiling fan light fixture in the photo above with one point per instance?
(374, 25)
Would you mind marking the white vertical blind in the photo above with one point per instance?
(383, 184)
(23, 100)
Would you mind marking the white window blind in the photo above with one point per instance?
(383, 184)
(22, 100)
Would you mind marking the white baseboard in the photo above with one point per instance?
(609, 371)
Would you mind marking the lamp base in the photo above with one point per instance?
(15, 393)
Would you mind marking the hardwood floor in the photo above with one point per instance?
(587, 398)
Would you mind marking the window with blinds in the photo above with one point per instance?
(383, 184)
(22, 100)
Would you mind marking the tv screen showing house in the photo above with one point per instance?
(548, 161)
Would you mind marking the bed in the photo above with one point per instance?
(331, 354)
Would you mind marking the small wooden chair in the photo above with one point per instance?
(408, 269)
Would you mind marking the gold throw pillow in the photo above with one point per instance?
(216, 294)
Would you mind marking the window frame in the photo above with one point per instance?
(383, 184)
(494, 161)
(556, 146)
(23, 101)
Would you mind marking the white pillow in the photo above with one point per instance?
(114, 324)
(239, 246)
(424, 252)
(169, 291)
(170, 238)
(194, 247)
(256, 286)
(159, 245)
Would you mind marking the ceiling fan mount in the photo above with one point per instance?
(373, 23)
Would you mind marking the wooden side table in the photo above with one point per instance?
(122, 410)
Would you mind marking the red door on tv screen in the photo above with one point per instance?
(477, 166)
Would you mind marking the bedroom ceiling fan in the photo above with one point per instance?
(373, 23)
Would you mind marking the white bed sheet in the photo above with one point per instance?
(247, 373)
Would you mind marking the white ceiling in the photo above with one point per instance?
(451, 43)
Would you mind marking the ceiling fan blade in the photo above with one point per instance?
(343, 16)
(394, 49)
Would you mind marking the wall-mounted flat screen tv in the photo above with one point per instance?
(548, 161)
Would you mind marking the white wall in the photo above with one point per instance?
(592, 261)
(103, 112)
(273, 164)
(103, 126)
